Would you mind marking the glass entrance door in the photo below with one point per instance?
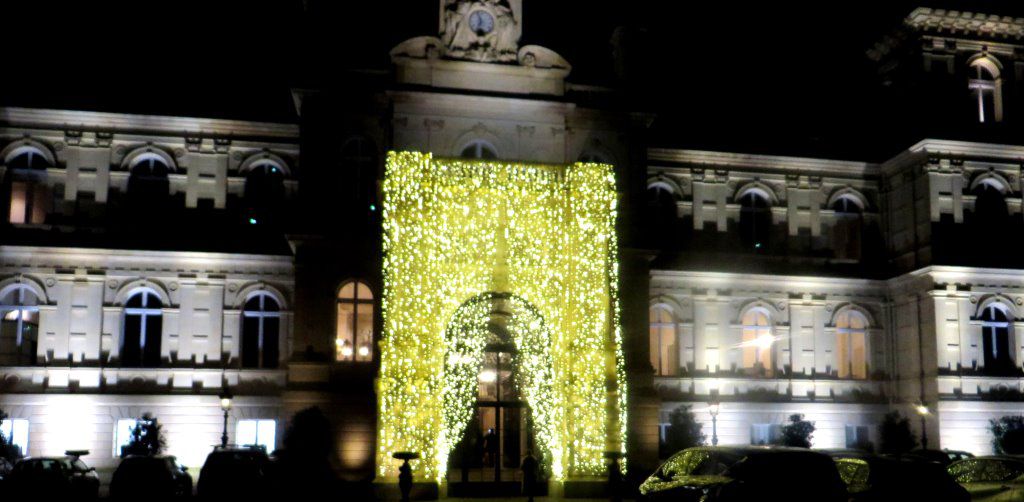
(497, 437)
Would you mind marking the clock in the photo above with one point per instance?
(481, 22)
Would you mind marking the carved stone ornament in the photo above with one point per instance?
(481, 30)
(974, 299)
(112, 284)
(50, 281)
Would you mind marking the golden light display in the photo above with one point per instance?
(461, 234)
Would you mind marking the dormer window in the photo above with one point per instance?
(986, 92)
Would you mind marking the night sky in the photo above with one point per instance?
(768, 77)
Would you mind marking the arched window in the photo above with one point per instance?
(31, 198)
(849, 225)
(261, 332)
(479, 149)
(143, 330)
(664, 342)
(989, 203)
(595, 157)
(995, 339)
(19, 326)
(755, 219)
(757, 343)
(354, 336)
(264, 191)
(851, 344)
(359, 160)
(147, 181)
(986, 92)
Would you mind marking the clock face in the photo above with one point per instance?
(481, 22)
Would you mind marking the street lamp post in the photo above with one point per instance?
(225, 404)
(713, 409)
(923, 411)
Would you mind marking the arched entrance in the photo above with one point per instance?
(503, 337)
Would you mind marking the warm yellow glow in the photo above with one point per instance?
(225, 403)
(488, 376)
(922, 409)
(459, 234)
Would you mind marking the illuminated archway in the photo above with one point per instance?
(465, 340)
(456, 229)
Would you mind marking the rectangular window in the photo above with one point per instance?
(123, 434)
(257, 432)
(15, 430)
(762, 434)
(663, 430)
(857, 435)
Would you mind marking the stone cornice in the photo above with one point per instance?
(120, 122)
(954, 22)
(802, 165)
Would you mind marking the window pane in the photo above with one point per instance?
(345, 339)
(271, 350)
(347, 291)
(364, 332)
(266, 434)
(151, 348)
(245, 432)
(123, 433)
(250, 342)
(364, 292)
(858, 355)
(15, 430)
(40, 203)
(131, 344)
(19, 202)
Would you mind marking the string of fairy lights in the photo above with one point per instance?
(543, 236)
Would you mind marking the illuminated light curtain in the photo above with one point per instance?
(851, 333)
(757, 341)
(443, 220)
(664, 347)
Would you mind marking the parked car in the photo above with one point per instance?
(723, 474)
(944, 457)
(147, 477)
(5, 469)
(234, 472)
(51, 477)
(992, 478)
(871, 477)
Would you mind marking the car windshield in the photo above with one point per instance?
(75, 464)
(982, 470)
(699, 462)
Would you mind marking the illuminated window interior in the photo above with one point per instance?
(15, 431)
(354, 336)
(757, 343)
(851, 344)
(260, 432)
(664, 342)
(123, 434)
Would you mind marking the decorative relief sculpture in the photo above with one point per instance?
(481, 30)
